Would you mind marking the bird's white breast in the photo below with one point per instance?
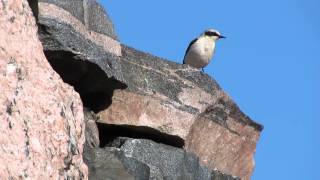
(200, 53)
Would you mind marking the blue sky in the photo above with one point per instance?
(269, 64)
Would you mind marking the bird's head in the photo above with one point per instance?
(213, 34)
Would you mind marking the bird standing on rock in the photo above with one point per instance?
(201, 49)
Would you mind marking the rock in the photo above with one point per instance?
(86, 59)
(91, 132)
(143, 95)
(167, 162)
(42, 126)
(223, 137)
(76, 35)
(128, 158)
(183, 102)
(98, 19)
(90, 13)
(111, 163)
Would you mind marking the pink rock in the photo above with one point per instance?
(42, 127)
(185, 103)
(162, 100)
(228, 146)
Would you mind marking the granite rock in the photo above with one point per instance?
(186, 103)
(144, 95)
(88, 12)
(91, 131)
(84, 58)
(111, 164)
(127, 158)
(42, 127)
(167, 162)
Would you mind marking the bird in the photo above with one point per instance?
(200, 50)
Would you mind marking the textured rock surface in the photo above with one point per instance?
(88, 12)
(227, 144)
(187, 103)
(145, 159)
(42, 127)
(111, 163)
(142, 95)
(167, 162)
(91, 132)
(86, 59)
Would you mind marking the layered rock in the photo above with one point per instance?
(86, 59)
(137, 95)
(112, 163)
(42, 127)
(186, 103)
(126, 158)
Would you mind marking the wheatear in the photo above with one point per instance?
(201, 49)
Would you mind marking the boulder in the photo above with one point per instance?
(127, 158)
(138, 95)
(111, 163)
(167, 162)
(186, 103)
(86, 59)
(89, 12)
(42, 124)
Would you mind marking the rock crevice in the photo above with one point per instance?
(109, 132)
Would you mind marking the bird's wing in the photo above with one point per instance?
(191, 43)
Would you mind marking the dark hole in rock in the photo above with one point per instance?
(88, 79)
(110, 132)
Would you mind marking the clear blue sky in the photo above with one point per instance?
(269, 64)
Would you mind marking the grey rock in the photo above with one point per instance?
(91, 130)
(145, 159)
(167, 162)
(60, 39)
(93, 72)
(169, 79)
(89, 12)
(112, 164)
(75, 7)
(98, 19)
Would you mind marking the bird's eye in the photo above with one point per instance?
(210, 33)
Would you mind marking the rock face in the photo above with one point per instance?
(186, 103)
(86, 59)
(167, 162)
(42, 127)
(86, 12)
(111, 163)
(176, 121)
(144, 159)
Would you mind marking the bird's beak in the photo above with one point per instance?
(221, 37)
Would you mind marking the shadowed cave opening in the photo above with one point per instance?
(109, 132)
(88, 79)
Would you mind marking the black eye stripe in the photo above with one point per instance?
(210, 33)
